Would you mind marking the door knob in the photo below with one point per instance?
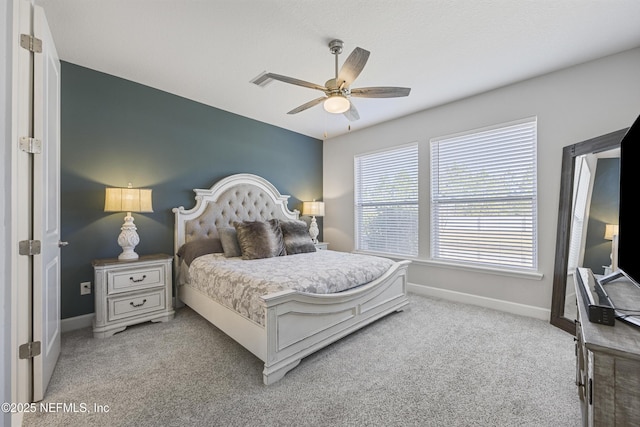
(62, 244)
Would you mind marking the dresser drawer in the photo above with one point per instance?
(125, 280)
(134, 305)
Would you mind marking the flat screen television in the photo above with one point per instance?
(628, 308)
(629, 214)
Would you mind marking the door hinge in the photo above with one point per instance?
(29, 350)
(30, 145)
(29, 247)
(31, 43)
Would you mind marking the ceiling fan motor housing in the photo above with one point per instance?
(335, 46)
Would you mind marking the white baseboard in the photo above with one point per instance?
(496, 304)
(78, 322)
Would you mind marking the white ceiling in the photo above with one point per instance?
(445, 50)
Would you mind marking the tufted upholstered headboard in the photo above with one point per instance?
(241, 197)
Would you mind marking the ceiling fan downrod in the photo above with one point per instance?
(335, 47)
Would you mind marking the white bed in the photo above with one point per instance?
(296, 323)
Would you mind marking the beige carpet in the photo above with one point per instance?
(436, 364)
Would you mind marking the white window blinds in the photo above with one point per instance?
(483, 196)
(386, 201)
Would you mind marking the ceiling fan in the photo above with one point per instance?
(338, 91)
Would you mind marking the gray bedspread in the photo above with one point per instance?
(239, 284)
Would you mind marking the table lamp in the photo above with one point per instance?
(128, 200)
(313, 209)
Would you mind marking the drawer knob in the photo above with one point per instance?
(144, 276)
(138, 305)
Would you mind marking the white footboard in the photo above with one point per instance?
(298, 324)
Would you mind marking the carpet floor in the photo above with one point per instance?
(438, 363)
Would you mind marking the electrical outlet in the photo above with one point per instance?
(85, 288)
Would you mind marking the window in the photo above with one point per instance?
(483, 196)
(386, 201)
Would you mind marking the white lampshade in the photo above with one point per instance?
(336, 104)
(313, 208)
(610, 230)
(128, 200)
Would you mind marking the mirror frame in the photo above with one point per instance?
(599, 144)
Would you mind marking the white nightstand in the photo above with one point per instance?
(130, 292)
(322, 246)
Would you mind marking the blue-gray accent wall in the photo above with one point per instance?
(116, 132)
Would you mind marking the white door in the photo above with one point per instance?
(46, 206)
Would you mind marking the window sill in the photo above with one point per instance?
(531, 275)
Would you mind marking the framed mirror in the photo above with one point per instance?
(576, 185)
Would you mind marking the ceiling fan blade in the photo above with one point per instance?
(352, 114)
(307, 105)
(353, 66)
(380, 92)
(265, 78)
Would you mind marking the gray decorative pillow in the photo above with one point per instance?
(229, 240)
(260, 239)
(296, 237)
(195, 248)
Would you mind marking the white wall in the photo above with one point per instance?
(571, 105)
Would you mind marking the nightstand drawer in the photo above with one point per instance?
(125, 280)
(134, 305)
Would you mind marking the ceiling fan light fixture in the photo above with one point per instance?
(336, 104)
